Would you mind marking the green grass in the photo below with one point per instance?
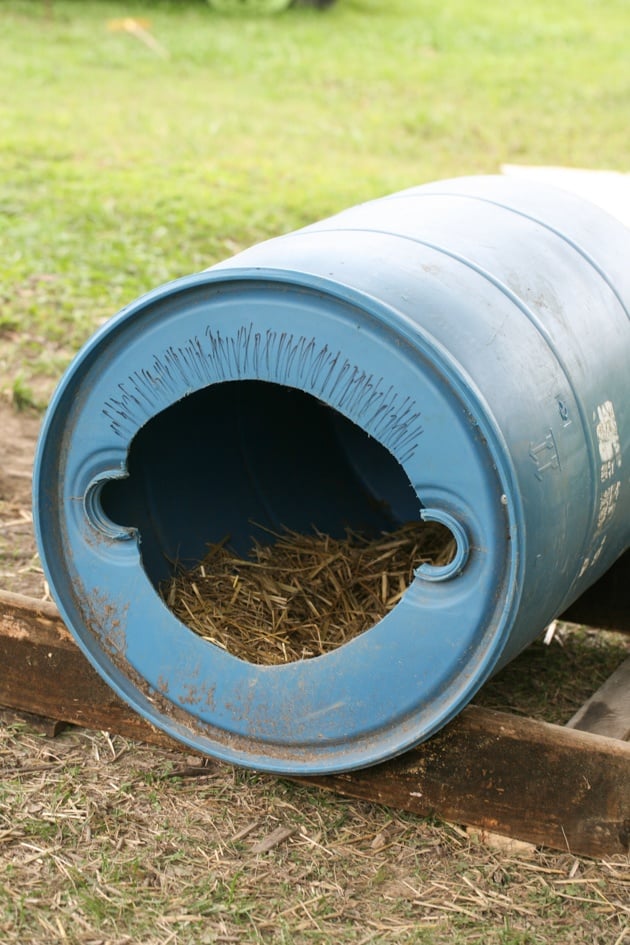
(121, 169)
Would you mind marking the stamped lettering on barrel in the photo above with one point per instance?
(544, 455)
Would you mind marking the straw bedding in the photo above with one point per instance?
(303, 595)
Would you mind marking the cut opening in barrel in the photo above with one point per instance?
(271, 524)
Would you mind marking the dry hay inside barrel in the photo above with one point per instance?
(303, 595)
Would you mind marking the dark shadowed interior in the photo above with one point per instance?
(241, 458)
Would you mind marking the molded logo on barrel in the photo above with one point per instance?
(545, 455)
(294, 361)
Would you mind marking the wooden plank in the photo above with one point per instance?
(542, 783)
(607, 712)
(525, 779)
(45, 673)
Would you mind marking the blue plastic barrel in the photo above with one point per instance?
(458, 352)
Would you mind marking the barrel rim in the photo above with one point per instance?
(465, 390)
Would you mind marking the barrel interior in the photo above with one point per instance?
(240, 462)
(244, 459)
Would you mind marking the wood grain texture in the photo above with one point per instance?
(44, 672)
(546, 784)
(537, 782)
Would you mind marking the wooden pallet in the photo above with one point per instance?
(566, 787)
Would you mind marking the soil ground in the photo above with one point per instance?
(19, 568)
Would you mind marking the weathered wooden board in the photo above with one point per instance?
(542, 783)
(42, 671)
(514, 776)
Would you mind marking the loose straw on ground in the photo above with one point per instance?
(303, 595)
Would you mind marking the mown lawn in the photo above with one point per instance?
(121, 168)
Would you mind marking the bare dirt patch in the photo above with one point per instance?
(19, 566)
